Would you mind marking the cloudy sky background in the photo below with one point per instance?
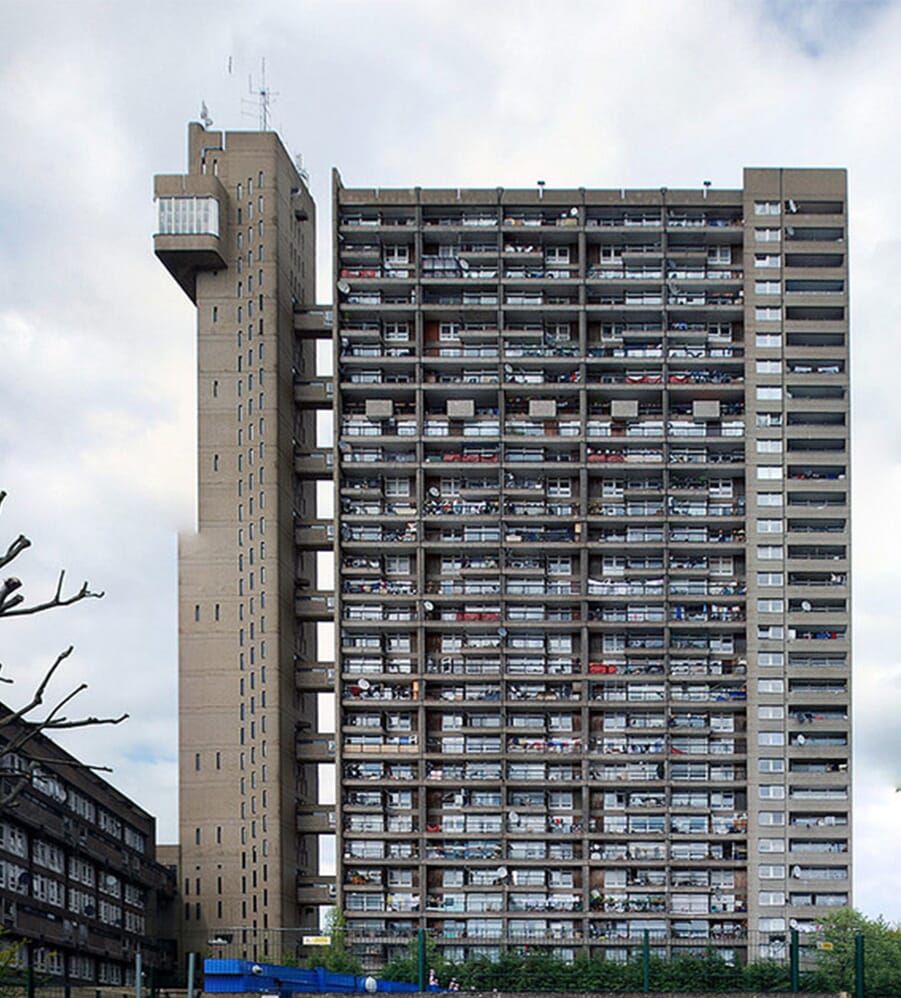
(96, 342)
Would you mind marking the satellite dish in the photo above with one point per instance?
(796, 872)
(428, 605)
(364, 684)
(502, 871)
(514, 817)
(508, 368)
(343, 287)
(464, 264)
(806, 605)
(502, 632)
(435, 492)
(801, 739)
(793, 923)
(574, 211)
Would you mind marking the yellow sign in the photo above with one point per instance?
(824, 945)
(317, 940)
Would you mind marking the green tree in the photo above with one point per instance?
(336, 957)
(405, 965)
(882, 955)
(11, 973)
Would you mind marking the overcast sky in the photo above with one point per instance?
(96, 341)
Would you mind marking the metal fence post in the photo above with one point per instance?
(29, 970)
(646, 961)
(421, 959)
(858, 965)
(794, 960)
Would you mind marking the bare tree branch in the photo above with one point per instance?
(10, 607)
(15, 548)
(17, 727)
(38, 697)
(74, 763)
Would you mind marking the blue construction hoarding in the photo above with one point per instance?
(243, 976)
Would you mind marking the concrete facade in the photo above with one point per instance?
(593, 558)
(79, 884)
(237, 232)
(591, 537)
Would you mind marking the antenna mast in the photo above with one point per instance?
(263, 96)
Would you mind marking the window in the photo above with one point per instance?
(768, 419)
(770, 578)
(771, 765)
(772, 819)
(770, 552)
(770, 526)
(768, 366)
(767, 208)
(770, 606)
(771, 712)
(397, 254)
(559, 488)
(773, 738)
(771, 898)
(767, 313)
(396, 332)
(556, 254)
(397, 487)
(771, 871)
(767, 287)
(767, 260)
(770, 685)
(771, 845)
(768, 235)
(769, 499)
(769, 393)
(768, 340)
(188, 216)
(770, 632)
(771, 659)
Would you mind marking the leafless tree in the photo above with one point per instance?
(21, 726)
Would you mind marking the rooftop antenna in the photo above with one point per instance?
(205, 118)
(541, 184)
(707, 184)
(262, 97)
